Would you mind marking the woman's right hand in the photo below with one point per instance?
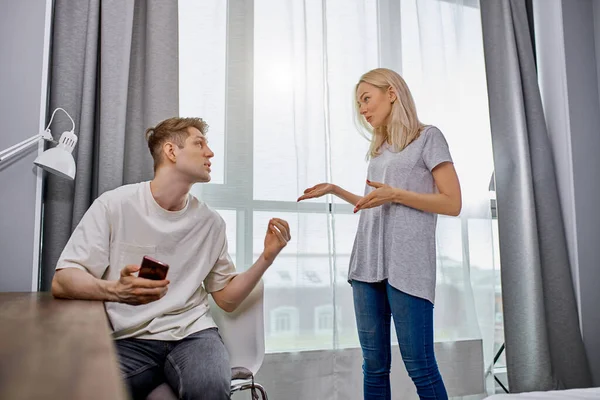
(317, 191)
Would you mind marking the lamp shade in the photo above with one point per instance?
(59, 160)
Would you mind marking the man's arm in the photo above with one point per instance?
(238, 288)
(73, 283)
(85, 259)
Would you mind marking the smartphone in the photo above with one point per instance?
(153, 269)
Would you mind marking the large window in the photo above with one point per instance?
(274, 79)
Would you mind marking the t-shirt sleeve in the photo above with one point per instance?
(222, 272)
(435, 150)
(89, 246)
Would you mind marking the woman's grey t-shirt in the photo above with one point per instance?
(393, 241)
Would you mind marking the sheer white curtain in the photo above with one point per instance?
(442, 49)
(274, 79)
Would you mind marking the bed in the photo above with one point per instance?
(571, 394)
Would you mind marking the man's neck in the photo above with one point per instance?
(169, 192)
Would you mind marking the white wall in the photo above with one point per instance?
(567, 39)
(23, 27)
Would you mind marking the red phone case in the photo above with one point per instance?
(153, 269)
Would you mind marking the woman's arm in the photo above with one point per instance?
(328, 188)
(447, 202)
(346, 195)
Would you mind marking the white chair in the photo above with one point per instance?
(243, 333)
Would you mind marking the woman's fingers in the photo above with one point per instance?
(306, 194)
(310, 195)
(369, 204)
(362, 201)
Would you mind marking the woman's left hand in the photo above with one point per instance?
(382, 194)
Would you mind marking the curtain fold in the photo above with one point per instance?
(544, 348)
(114, 68)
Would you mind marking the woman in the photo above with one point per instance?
(410, 179)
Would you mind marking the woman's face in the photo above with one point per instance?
(374, 104)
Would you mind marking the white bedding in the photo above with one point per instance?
(572, 394)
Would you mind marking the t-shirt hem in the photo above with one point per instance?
(401, 288)
(168, 335)
(64, 266)
(438, 162)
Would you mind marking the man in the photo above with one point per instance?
(163, 328)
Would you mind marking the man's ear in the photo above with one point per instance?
(169, 151)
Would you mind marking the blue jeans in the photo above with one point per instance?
(374, 304)
(196, 367)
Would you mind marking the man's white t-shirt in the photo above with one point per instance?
(125, 224)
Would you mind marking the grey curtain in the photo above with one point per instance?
(544, 348)
(114, 68)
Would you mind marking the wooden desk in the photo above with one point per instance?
(56, 349)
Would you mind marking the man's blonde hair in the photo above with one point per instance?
(175, 130)
(403, 126)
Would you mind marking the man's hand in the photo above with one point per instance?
(277, 237)
(238, 288)
(132, 290)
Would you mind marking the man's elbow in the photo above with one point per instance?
(228, 307)
(57, 288)
(223, 303)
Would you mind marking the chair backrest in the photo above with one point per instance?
(243, 331)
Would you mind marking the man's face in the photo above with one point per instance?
(193, 159)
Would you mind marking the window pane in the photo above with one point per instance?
(482, 276)
(231, 230)
(451, 303)
(202, 56)
(346, 63)
(291, 102)
(444, 67)
(288, 99)
(345, 231)
(299, 279)
(499, 314)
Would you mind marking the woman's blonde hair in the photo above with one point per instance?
(403, 126)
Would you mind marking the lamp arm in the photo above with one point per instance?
(17, 148)
(46, 135)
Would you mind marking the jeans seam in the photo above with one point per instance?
(431, 384)
(179, 375)
(140, 370)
